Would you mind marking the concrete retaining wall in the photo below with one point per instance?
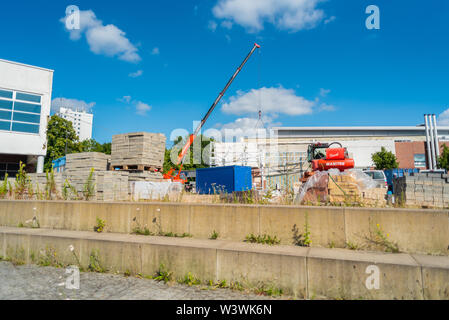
(301, 272)
(415, 231)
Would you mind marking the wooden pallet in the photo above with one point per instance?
(139, 167)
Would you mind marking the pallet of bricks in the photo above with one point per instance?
(346, 188)
(141, 151)
(106, 185)
(422, 190)
(42, 181)
(343, 188)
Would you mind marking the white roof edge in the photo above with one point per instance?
(354, 128)
(26, 65)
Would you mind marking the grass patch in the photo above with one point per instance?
(214, 235)
(262, 239)
(163, 274)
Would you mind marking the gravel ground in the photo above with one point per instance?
(31, 282)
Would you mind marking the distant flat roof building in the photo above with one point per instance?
(25, 100)
(406, 142)
(81, 120)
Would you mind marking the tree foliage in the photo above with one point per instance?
(193, 163)
(60, 132)
(385, 160)
(443, 160)
(91, 145)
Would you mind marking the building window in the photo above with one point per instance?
(420, 160)
(20, 112)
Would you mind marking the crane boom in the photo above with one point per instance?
(192, 137)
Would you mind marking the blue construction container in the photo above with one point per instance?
(399, 173)
(223, 180)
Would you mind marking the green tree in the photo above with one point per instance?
(106, 147)
(179, 143)
(60, 135)
(90, 145)
(385, 160)
(443, 160)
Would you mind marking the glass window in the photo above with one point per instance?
(378, 175)
(20, 106)
(26, 117)
(23, 127)
(5, 104)
(5, 125)
(6, 94)
(420, 160)
(28, 97)
(5, 115)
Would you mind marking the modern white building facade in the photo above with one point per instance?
(81, 120)
(25, 102)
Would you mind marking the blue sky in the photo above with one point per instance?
(158, 65)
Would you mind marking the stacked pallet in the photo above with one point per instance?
(347, 189)
(145, 176)
(422, 189)
(111, 185)
(138, 151)
(41, 180)
(84, 162)
(343, 188)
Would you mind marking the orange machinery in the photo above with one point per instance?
(178, 178)
(322, 157)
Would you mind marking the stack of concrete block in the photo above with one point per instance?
(375, 196)
(145, 176)
(39, 181)
(84, 162)
(111, 185)
(345, 188)
(422, 189)
(141, 151)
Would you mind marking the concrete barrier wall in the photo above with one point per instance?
(301, 272)
(416, 231)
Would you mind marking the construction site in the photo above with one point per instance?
(304, 223)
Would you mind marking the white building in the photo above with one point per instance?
(81, 120)
(25, 101)
(284, 152)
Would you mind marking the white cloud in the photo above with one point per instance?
(246, 127)
(136, 74)
(326, 107)
(73, 104)
(212, 26)
(126, 99)
(330, 19)
(105, 40)
(226, 24)
(272, 101)
(443, 119)
(155, 51)
(142, 108)
(324, 92)
(290, 15)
